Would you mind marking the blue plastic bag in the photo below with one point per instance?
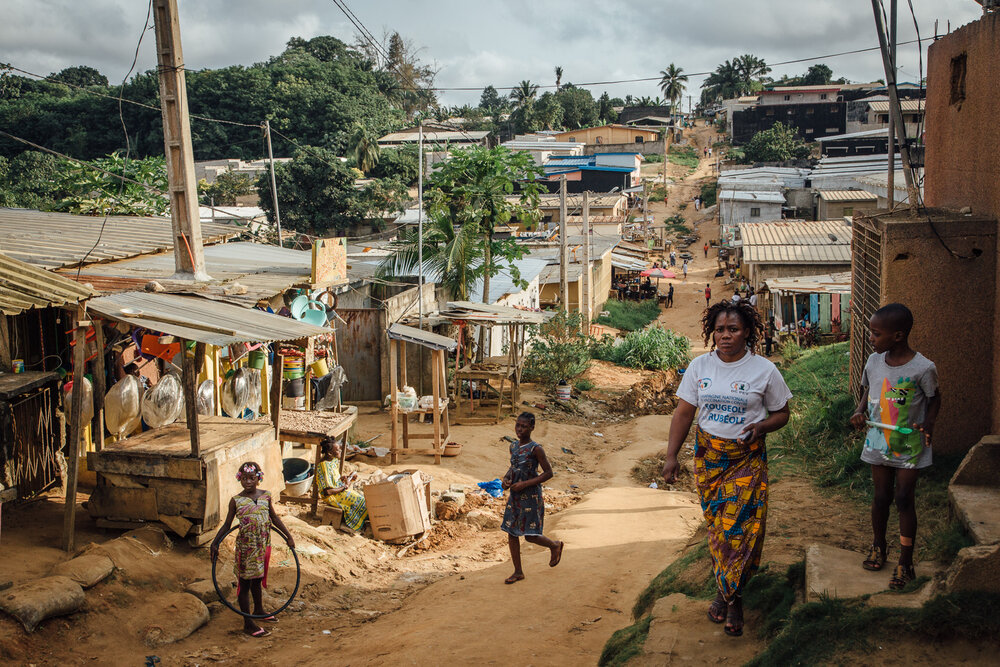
(493, 488)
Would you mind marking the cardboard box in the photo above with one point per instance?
(401, 508)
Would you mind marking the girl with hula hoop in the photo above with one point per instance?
(256, 513)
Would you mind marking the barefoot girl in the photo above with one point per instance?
(525, 508)
(255, 511)
(899, 404)
(740, 396)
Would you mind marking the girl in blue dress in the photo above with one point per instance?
(525, 508)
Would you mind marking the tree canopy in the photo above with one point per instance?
(777, 144)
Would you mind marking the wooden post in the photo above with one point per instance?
(276, 376)
(99, 386)
(189, 257)
(585, 275)
(393, 401)
(5, 351)
(75, 432)
(563, 247)
(437, 360)
(189, 376)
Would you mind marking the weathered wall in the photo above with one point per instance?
(963, 138)
(658, 147)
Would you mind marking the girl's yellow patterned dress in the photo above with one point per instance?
(253, 542)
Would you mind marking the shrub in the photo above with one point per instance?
(676, 224)
(653, 158)
(652, 349)
(583, 385)
(777, 144)
(559, 352)
(709, 193)
(629, 315)
(685, 157)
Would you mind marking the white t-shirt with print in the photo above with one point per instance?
(730, 396)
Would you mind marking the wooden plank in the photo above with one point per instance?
(118, 480)
(189, 378)
(437, 359)
(178, 524)
(393, 400)
(277, 369)
(119, 525)
(99, 386)
(115, 502)
(76, 432)
(5, 355)
(145, 466)
(183, 497)
(416, 450)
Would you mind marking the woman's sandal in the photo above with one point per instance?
(259, 632)
(734, 617)
(556, 555)
(902, 575)
(876, 559)
(513, 579)
(717, 610)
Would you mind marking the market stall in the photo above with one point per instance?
(182, 473)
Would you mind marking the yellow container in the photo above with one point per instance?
(319, 368)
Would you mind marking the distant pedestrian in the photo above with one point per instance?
(525, 510)
(769, 336)
(753, 299)
(697, 203)
(706, 250)
(673, 258)
(704, 151)
(684, 268)
(670, 296)
(736, 296)
(708, 295)
(709, 151)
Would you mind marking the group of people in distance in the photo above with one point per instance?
(738, 397)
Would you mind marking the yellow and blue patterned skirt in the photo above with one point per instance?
(732, 484)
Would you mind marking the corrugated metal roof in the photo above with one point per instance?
(202, 320)
(831, 283)
(23, 287)
(883, 132)
(419, 337)
(819, 242)
(56, 240)
(759, 196)
(551, 274)
(907, 106)
(846, 195)
(431, 136)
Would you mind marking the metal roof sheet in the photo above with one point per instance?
(831, 283)
(420, 337)
(759, 196)
(801, 242)
(907, 106)
(494, 313)
(23, 287)
(431, 136)
(883, 132)
(846, 195)
(202, 320)
(56, 240)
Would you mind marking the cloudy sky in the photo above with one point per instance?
(476, 43)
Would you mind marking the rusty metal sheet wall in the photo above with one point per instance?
(359, 345)
(31, 442)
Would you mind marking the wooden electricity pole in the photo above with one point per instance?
(189, 258)
(891, 178)
(563, 247)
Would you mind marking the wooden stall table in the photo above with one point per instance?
(495, 373)
(310, 429)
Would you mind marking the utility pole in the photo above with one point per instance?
(585, 274)
(189, 257)
(645, 209)
(420, 222)
(894, 108)
(563, 247)
(274, 186)
(891, 180)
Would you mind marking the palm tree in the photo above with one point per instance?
(724, 83)
(752, 71)
(364, 148)
(559, 71)
(672, 83)
(524, 94)
(453, 255)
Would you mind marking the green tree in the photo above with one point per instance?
(559, 73)
(817, 75)
(606, 109)
(672, 84)
(547, 113)
(578, 106)
(752, 71)
(452, 254)
(364, 148)
(227, 187)
(92, 192)
(81, 75)
(490, 101)
(29, 181)
(524, 94)
(777, 144)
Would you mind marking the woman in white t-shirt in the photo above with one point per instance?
(739, 396)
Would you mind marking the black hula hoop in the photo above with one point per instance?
(222, 598)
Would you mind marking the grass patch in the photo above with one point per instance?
(818, 630)
(629, 315)
(652, 158)
(583, 385)
(625, 644)
(691, 574)
(773, 595)
(684, 156)
(709, 193)
(819, 443)
(675, 224)
(658, 193)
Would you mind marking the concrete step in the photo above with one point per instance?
(837, 573)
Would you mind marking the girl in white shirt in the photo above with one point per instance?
(739, 397)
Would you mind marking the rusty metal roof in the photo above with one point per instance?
(23, 287)
(57, 240)
(202, 320)
(906, 106)
(800, 242)
(830, 283)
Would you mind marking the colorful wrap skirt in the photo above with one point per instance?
(732, 484)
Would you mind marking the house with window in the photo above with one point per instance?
(609, 134)
(815, 111)
(834, 204)
(738, 207)
(795, 248)
(872, 113)
(600, 172)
